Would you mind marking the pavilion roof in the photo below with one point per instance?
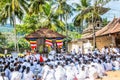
(44, 33)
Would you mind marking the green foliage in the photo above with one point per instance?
(30, 24)
(23, 44)
(105, 22)
(51, 14)
(35, 21)
(2, 41)
(2, 4)
(13, 9)
(90, 12)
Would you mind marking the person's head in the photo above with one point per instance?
(27, 69)
(51, 66)
(3, 74)
(12, 69)
(83, 68)
(23, 68)
(16, 68)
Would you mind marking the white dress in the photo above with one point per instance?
(70, 74)
(28, 76)
(50, 75)
(16, 75)
(60, 73)
(5, 78)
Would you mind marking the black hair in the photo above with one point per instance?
(23, 68)
(27, 69)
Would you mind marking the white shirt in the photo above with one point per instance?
(50, 75)
(28, 76)
(5, 78)
(16, 75)
(60, 73)
(116, 64)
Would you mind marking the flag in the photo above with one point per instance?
(59, 43)
(33, 43)
(48, 42)
(33, 46)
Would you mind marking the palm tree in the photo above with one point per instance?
(86, 10)
(64, 11)
(13, 9)
(36, 6)
(47, 19)
(2, 4)
(90, 13)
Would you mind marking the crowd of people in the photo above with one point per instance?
(59, 66)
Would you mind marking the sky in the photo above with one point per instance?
(113, 5)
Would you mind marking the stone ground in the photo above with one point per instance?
(112, 75)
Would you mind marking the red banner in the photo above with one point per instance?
(48, 42)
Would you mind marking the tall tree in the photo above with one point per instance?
(90, 13)
(2, 4)
(64, 11)
(87, 10)
(47, 19)
(36, 6)
(13, 9)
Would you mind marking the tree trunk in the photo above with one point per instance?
(66, 32)
(15, 33)
(94, 35)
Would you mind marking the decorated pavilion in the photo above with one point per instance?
(45, 37)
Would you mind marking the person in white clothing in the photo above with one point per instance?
(82, 74)
(28, 75)
(16, 75)
(116, 64)
(70, 72)
(3, 77)
(50, 74)
(59, 73)
(92, 73)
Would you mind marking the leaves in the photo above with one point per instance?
(89, 12)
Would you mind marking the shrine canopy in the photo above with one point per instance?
(45, 33)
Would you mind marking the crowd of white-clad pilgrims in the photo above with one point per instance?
(62, 66)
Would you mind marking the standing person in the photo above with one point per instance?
(3, 77)
(41, 58)
(110, 49)
(79, 50)
(74, 51)
(28, 75)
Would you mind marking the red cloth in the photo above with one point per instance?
(41, 59)
(75, 78)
